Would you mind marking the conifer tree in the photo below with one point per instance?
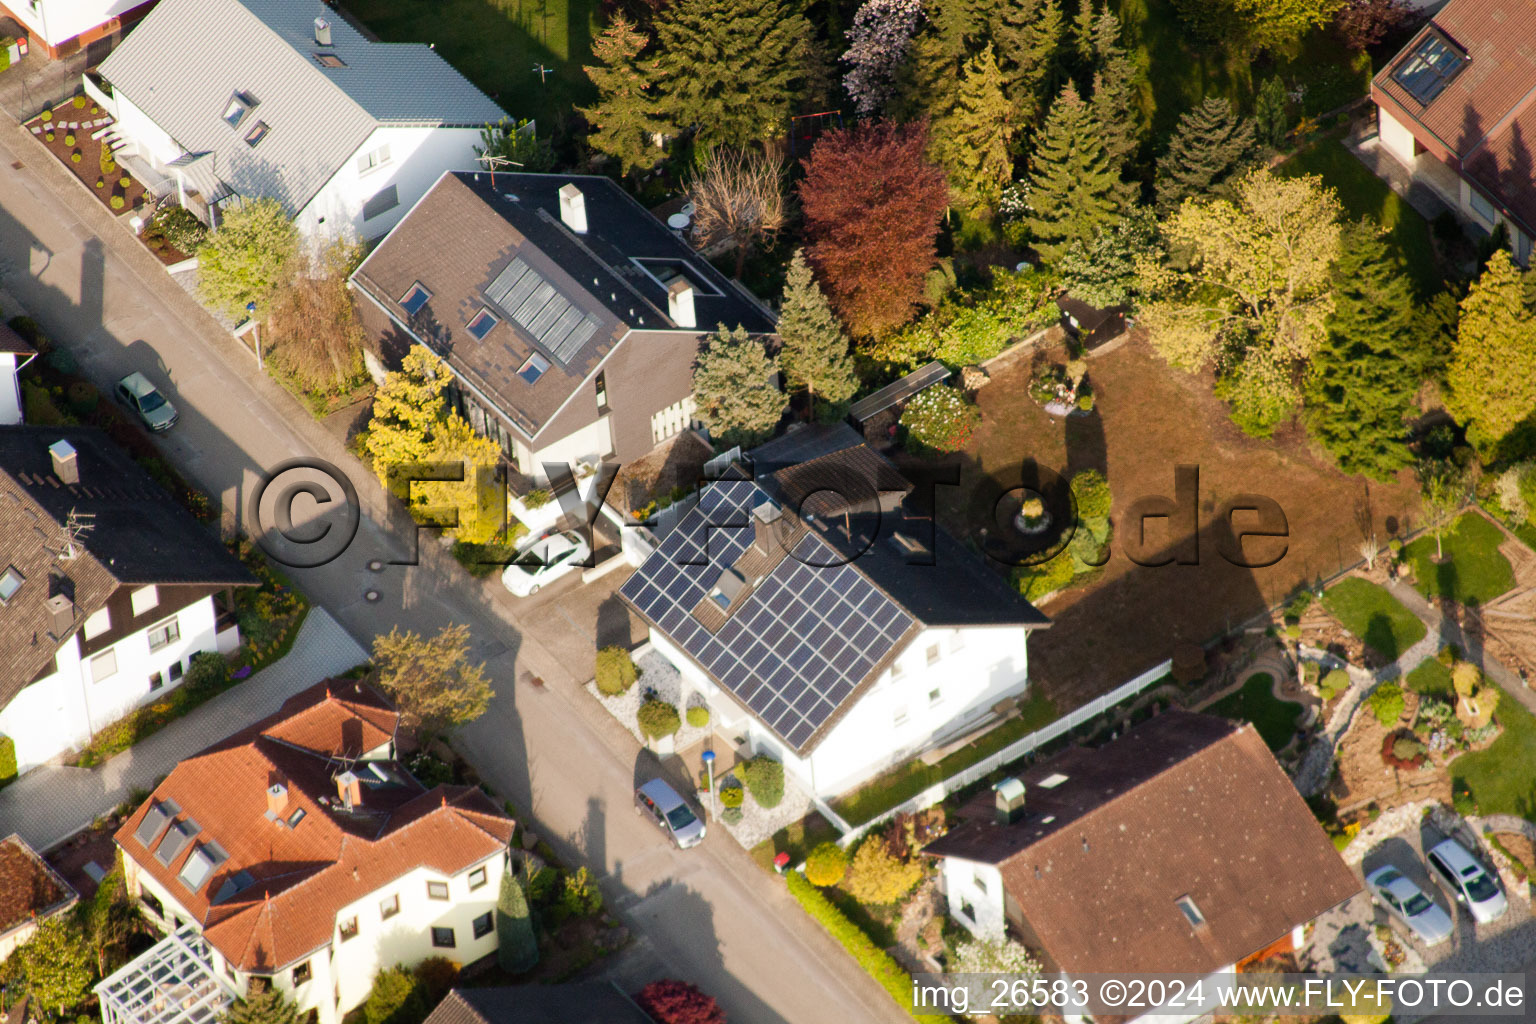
(1492, 374)
(517, 947)
(1361, 383)
(971, 140)
(628, 111)
(815, 353)
(1073, 188)
(1083, 31)
(263, 1005)
(1210, 147)
(1113, 102)
(1028, 37)
(732, 67)
(733, 383)
(924, 84)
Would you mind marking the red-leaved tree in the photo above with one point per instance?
(677, 1002)
(1365, 23)
(872, 206)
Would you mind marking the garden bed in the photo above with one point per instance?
(660, 677)
(89, 168)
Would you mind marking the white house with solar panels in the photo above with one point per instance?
(843, 638)
(218, 101)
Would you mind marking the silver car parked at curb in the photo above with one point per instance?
(662, 804)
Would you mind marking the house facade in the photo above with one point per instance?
(15, 354)
(569, 315)
(840, 634)
(1454, 107)
(229, 100)
(63, 27)
(298, 852)
(1229, 864)
(107, 592)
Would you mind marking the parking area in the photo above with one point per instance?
(1343, 938)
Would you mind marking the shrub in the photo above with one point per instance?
(657, 718)
(105, 162)
(1333, 684)
(7, 759)
(939, 419)
(116, 202)
(616, 671)
(101, 182)
(177, 225)
(396, 998)
(677, 1002)
(698, 716)
(878, 877)
(82, 396)
(80, 102)
(765, 780)
(75, 157)
(731, 815)
(207, 673)
(1407, 748)
(69, 138)
(536, 498)
(124, 181)
(826, 865)
(1092, 494)
(875, 961)
(50, 136)
(1036, 581)
(435, 977)
(250, 255)
(47, 115)
(731, 794)
(31, 332)
(517, 945)
(991, 956)
(579, 895)
(1386, 703)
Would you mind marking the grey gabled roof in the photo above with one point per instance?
(185, 61)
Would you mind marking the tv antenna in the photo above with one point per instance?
(77, 525)
(492, 162)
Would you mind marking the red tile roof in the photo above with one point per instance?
(1183, 805)
(298, 874)
(1484, 119)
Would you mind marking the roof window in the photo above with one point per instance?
(10, 582)
(534, 368)
(727, 588)
(1191, 912)
(239, 105)
(414, 299)
(330, 60)
(1052, 780)
(257, 133)
(1426, 71)
(481, 325)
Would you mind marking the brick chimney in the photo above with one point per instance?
(350, 789)
(61, 615)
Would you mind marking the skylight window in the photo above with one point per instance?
(1426, 71)
(330, 60)
(481, 325)
(10, 582)
(1052, 781)
(534, 368)
(414, 299)
(1191, 912)
(235, 112)
(257, 133)
(194, 873)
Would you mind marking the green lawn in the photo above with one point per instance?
(496, 43)
(1256, 702)
(1474, 571)
(1364, 195)
(1374, 616)
(1431, 679)
(1500, 777)
(901, 784)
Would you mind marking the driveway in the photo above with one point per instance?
(708, 915)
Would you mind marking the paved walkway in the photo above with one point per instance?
(1444, 631)
(50, 804)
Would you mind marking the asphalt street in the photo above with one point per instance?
(708, 915)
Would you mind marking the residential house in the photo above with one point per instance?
(107, 589)
(297, 851)
(15, 353)
(63, 27)
(243, 99)
(592, 1002)
(1179, 848)
(1455, 107)
(31, 892)
(570, 317)
(842, 633)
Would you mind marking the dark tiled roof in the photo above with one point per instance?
(29, 888)
(1485, 116)
(584, 1003)
(1183, 805)
(824, 609)
(138, 535)
(13, 343)
(287, 883)
(464, 233)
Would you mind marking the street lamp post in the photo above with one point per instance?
(709, 765)
(250, 311)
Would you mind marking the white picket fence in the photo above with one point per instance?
(1015, 750)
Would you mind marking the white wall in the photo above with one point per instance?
(10, 390)
(588, 444)
(979, 887)
(897, 718)
(143, 136)
(1396, 138)
(417, 158)
(62, 711)
(61, 20)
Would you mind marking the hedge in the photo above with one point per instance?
(875, 961)
(7, 760)
(616, 671)
(765, 780)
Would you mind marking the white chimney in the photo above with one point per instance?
(65, 466)
(277, 799)
(322, 32)
(573, 208)
(680, 302)
(350, 788)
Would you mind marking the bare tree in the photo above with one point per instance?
(313, 324)
(738, 197)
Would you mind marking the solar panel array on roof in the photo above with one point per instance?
(798, 645)
(557, 325)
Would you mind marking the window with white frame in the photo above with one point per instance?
(373, 159)
(934, 654)
(477, 878)
(163, 634)
(145, 599)
(437, 890)
(104, 666)
(99, 622)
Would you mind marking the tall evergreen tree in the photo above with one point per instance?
(1361, 383)
(517, 947)
(732, 67)
(628, 111)
(815, 353)
(1028, 37)
(1210, 147)
(733, 382)
(924, 84)
(971, 140)
(1083, 32)
(263, 1004)
(1492, 374)
(1073, 188)
(1113, 100)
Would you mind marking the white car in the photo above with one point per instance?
(545, 561)
(1405, 901)
(1468, 881)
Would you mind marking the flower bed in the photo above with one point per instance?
(71, 126)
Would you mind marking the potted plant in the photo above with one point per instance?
(1032, 516)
